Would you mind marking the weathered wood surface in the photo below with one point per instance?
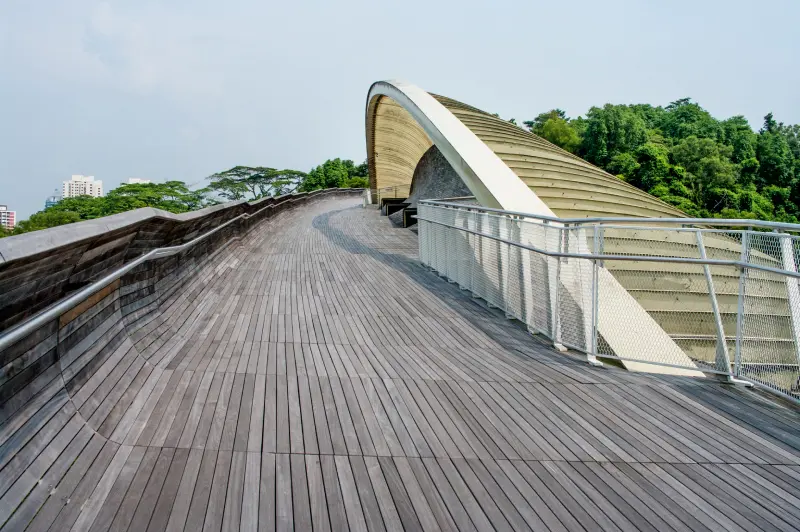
(315, 375)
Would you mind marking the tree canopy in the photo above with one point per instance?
(336, 173)
(237, 183)
(251, 183)
(680, 153)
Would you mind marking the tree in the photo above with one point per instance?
(248, 182)
(684, 118)
(285, 181)
(559, 132)
(537, 124)
(623, 165)
(334, 173)
(610, 131)
(86, 207)
(686, 157)
(710, 173)
(45, 220)
(172, 196)
(774, 155)
(653, 166)
(737, 133)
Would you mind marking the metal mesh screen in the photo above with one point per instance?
(686, 298)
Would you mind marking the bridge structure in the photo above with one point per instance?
(305, 362)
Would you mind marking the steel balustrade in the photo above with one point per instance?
(566, 261)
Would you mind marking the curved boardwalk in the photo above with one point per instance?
(317, 376)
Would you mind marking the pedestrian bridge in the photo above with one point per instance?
(306, 362)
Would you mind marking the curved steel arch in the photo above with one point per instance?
(492, 182)
(497, 160)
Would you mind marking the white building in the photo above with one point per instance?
(8, 219)
(82, 185)
(137, 180)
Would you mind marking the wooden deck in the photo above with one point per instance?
(317, 376)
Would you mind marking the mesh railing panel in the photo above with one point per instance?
(677, 313)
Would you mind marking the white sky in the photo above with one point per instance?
(181, 89)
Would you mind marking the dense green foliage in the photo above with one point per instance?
(251, 183)
(244, 182)
(237, 183)
(681, 154)
(172, 196)
(336, 173)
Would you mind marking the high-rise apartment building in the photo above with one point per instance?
(82, 185)
(8, 219)
(137, 180)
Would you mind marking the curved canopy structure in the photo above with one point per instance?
(507, 167)
(493, 157)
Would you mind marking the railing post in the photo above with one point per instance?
(473, 250)
(722, 360)
(592, 351)
(505, 264)
(792, 289)
(556, 334)
(737, 359)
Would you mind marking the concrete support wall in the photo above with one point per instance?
(435, 178)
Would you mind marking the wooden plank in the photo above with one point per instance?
(391, 519)
(323, 431)
(316, 494)
(169, 491)
(228, 437)
(147, 504)
(243, 420)
(309, 427)
(250, 498)
(267, 494)
(183, 499)
(127, 508)
(402, 501)
(112, 503)
(283, 493)
(355, 515)
(300, 497)
(257, 414)
(282, 415)
(369, 504)
(235, 493)
(437, 504)
(333, 493)
(215, 508)
(92, 506)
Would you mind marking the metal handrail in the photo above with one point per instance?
(710, 222)
(515, 299)
(25, 328)
(632, 258)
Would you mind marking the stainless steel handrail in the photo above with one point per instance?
(550, 317)
(710, 222)
(23, 329)
(633, 258)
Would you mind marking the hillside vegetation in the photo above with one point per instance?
(683, 155)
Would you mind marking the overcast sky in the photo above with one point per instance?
(181, 89)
